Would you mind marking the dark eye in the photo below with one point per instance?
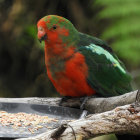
(54, 27)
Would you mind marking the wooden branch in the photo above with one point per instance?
(121, 120)
(93, 105)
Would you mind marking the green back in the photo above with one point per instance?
(107, 74)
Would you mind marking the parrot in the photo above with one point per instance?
(78, 64)
(81, 65)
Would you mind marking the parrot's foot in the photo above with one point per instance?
(84, 100)
(82, 106)
(64, 99)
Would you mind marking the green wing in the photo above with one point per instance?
(107, 75)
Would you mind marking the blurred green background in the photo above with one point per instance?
(22, 68)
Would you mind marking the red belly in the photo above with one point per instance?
(73, 80)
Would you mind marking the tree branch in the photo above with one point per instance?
(121, 120)
(93, 105)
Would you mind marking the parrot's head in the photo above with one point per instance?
(55, 29)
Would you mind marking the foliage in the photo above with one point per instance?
(123, 30)
(106, 137)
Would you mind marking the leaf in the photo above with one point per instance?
(122, 27)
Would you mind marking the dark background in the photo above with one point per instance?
(22, 68)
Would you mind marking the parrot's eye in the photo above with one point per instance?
(54, 27)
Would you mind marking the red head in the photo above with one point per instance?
(55, 29)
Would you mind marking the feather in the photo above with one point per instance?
(106, 73)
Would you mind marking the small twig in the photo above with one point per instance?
(137, 101)
(72, 131)
(56, 134)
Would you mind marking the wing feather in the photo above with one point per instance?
(106, 74)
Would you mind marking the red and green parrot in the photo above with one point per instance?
(81, 65)
(78, 64)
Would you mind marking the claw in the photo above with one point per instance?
(64, 99)
(84, 100)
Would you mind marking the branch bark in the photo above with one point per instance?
(121, 120)
(93, 105)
